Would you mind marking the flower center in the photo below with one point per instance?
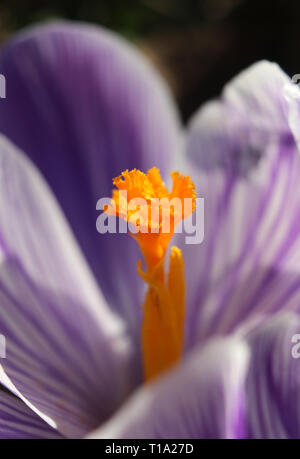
(153, 214)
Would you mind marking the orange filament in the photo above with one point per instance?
(153, 226)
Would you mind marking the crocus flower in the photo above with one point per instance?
(82, 106)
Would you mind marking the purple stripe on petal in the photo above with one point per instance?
(85, 106)
(202, 398)
(249, 262)
(252, 109)
(66, 353)
(17, 421)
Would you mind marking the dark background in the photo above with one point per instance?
(197, 44)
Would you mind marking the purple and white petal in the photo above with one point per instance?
(84, 106)
(273, 385)
(66, 353)
(232, 132)
(249, 262)
(201, 398)
(17, 421)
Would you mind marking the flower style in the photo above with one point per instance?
(154, 217)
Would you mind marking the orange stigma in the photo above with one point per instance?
(153, 214)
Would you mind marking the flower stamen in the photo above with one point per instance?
(153, 213)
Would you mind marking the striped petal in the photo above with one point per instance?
(65, 350)
(85, 106)
(273, 386)
(202, 398)
(17, 421)
(231, 132)
(249, 262)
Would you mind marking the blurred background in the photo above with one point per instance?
(198, 45)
